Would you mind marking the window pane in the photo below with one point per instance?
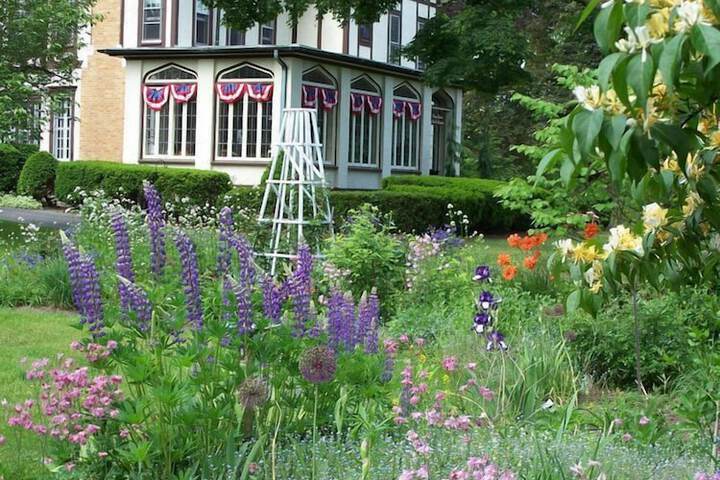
(150, 119)
(191, 107)
(236, 37)
(237, 129)
(267, 34)
(152, 15)
(151, 31)
(365, 34)
(223, 109)
(252, 126)
(266, 134)
(164, 129)
(202, 24)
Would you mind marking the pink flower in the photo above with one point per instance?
(404, 338)
(449, 363)
(618, 422)
(420, 342)
(627, 437)
(486, 393)
(644, 420)
(471, 366)
(69, 467)
(2, 440)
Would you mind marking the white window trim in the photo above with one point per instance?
(374, 140)
(231, 118)
(171, 105)
(159, 39)
(399, 125)
(64, 151)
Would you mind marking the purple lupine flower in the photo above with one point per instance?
(368, 322)
(225, 239)
(363, 321)
(91, 297)
(74, 262)
(124, 263)
(156, 225)
(348, 322)
(335, 319)
(273, 297)
(191, 279)
(244, 309)
(300, 288)
(496, 340)
(482, 274)
(482, 321)
(388, 368)
(139, 303)
(227, 296)
(245, 255)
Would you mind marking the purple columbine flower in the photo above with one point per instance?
(300, 288)
(273, 298)
(139, 303)
(496, 340)
(190, 279)
(482, 321)
(156, 225)
(225, 240)
(482, 274)
(124, 263)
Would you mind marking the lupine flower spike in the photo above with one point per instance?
(124, 264)
(156, 225)
(191, 279)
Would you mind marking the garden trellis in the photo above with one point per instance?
(296, 185)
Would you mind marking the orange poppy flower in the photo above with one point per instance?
(504, 259)
(591, 229)
(513, 240)
(530, 262)
(527, 244)
(509, 272)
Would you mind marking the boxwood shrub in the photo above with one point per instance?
(37, 178)
(124, 181)
(11, 161)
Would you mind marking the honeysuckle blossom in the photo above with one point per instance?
(623, 239)
(590, 98)
(565, 247)
(693, 167)
(654, 217)
(593, 276)
(638, 39)
(692, 202)
(689, 14)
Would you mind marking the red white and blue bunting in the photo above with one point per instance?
(329, 98)
(156, 97)
(374, 104)
(414, 109)
(260, 92)
(310, 96)
(183, 92)
(230, 92)
(359, 101)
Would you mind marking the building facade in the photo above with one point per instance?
(198, 94)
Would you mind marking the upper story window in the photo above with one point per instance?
(394, 37)
(151, 21)
(169, 114)
(267, 33)
(235, 37)
(365, 105)
(320, 93)
(365, 34)
(406, 127)
(244, 114)
(420, 24)
(203, 24)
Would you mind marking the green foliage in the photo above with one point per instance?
(19, 201)
(37, 178)
(26, 149)
(675, 328)
(123, 181)
(542, 196)
(41, 41)
(10, 165)
(371, 254)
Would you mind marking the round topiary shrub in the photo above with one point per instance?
(37, 178)
(10, 164)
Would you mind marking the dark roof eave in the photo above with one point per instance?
(269, 51)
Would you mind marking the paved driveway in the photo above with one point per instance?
(41, 218)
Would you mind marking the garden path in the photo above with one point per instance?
(43, 218)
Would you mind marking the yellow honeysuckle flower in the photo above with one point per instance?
(654, 217)
(593, 276)
(623, 239)
(591, 98)
(584, 253)
(693, 168)
(671, 164)
(690, 13)
(659, 23)
(714, 139)
(612, 103)
(692, 201)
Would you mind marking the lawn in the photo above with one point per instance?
(27, 334)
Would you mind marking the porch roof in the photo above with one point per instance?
(261, 51)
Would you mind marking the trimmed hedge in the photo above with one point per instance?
(466, 183)
(37, 178)
(416, 207)
(124, 181)
(11, 161)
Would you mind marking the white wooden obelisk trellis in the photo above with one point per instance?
(296, 185)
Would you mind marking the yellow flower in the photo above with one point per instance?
(446, 379)
(693, 168)
(671, 164)
(422, 358)
(715, 139)
(589, 97)
(692, 201)
(654, 217)
(612, 103)
(659, 23)
(593, 276)
(623, 239)
(586, 253)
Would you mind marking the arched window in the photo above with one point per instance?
(320, 92)
(244, 114)
(442, 107)
(365, 106)
(406, 127)
(169, 113)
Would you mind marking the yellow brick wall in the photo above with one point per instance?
(102, 90)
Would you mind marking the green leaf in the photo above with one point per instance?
(567, 171)
(613, 130)
(607, 66)
(617, 164)
(674, 137)
(714, 5)
(607, 26)
(670, 60)
(587, 125)
(587, 12)
(573, 301)
(640, 76)
(706, 39)
(619, 78)
(548, 162)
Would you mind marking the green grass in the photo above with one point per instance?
(32, 334)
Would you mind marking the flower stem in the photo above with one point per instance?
(638, 361)
(314, 452)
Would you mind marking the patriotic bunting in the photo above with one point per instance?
(230, 92)
(398, 108)
(414, 109)
(260, 92)
(329, 98)
(155, 97)
(310, 96)
(357, 103)
(374, 104)
(183, 92)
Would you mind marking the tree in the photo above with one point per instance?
(39, 43)
(244, 14)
